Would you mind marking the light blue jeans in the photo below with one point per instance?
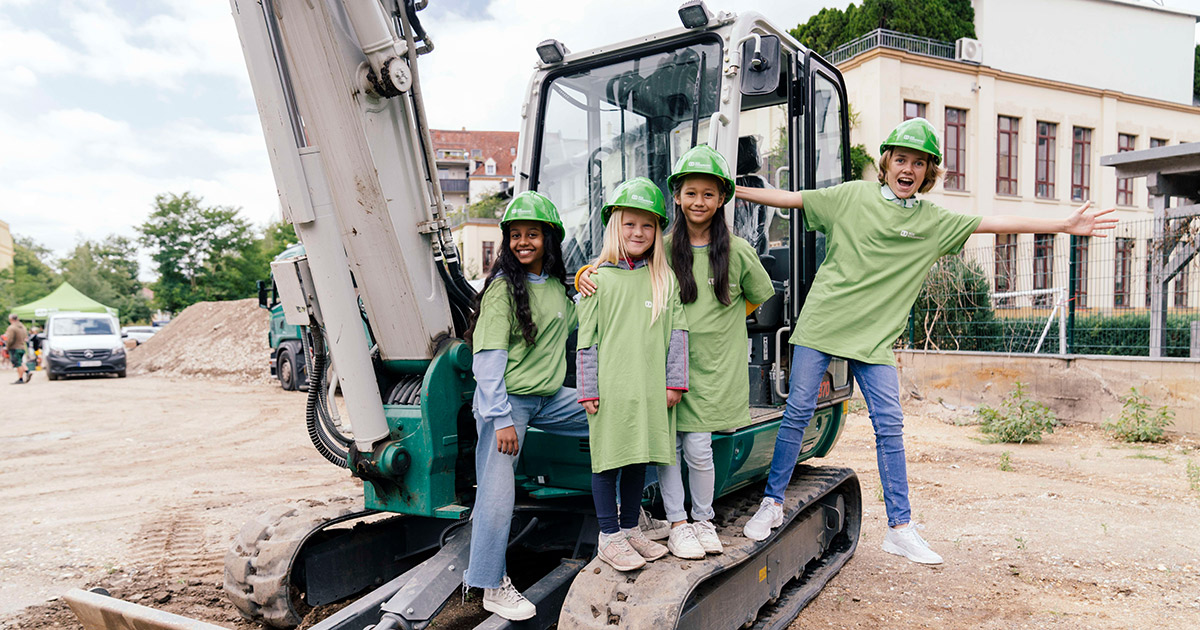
(491, 519)
(880, 386)
(694, 449)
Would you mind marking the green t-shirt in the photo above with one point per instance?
(877, 254)
(718, 395)
(633, 424)
(533, 370)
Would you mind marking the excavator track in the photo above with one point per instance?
(258, 565)
(761, 584)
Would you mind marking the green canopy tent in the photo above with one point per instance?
(64, 298)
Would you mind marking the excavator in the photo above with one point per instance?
(381, 294)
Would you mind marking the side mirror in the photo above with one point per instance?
(760, 65)
(262, 294)
(124, 335)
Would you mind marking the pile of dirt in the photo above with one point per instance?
(211, 339)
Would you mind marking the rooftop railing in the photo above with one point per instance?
(883, 38)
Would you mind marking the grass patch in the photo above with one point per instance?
(1137, 423)
(1006, 461)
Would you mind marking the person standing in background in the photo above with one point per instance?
(15, 339)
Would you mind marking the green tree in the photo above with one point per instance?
(199, 251)
(490, 207)
(31, 276)
(107, 271)
(1196, 73)
(945, 20)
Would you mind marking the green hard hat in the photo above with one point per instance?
(915, 133)
(640, 193)
(533, 206)
(703, 160)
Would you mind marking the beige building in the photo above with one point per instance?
(478, 245)
(6, 247)
(1024, 138)
(474, 164)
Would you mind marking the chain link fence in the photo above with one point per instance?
(1061, 294)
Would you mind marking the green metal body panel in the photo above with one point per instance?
(429, 435)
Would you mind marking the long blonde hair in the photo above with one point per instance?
(661, 279)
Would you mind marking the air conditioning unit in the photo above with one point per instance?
(969, 50)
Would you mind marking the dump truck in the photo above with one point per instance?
(288, 360)
(381, 290)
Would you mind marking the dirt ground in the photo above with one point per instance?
(138, 485)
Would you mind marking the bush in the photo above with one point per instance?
(954, 309)
(1135, 423)
(1019, 418)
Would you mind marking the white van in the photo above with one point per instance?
(83, 343)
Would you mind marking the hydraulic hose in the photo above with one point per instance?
(328, 449)
(331, 429)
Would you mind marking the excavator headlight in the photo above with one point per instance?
(552, 51)
(694, 14)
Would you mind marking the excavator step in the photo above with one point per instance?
(822, 517)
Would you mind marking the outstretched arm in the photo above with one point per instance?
(1082, 222)
(770, 197)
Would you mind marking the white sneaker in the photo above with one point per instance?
(706, 533)
(683, 543)
(508, 602)
(616, 551)
(768, 517)
(905, 541)
(653, 528)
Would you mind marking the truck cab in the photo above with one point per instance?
(287, 360)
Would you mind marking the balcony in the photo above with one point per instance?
(882, 38)
(455, 185)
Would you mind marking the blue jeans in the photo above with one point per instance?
(605, 487)
(491, 519)
(880, 385)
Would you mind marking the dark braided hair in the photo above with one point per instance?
(718, 252)
(513, 272)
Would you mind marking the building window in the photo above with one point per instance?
(476, 153)
(956, 149)
(1157, 142)
(1006, 266)
(1043, 267)
(1080, 270)
(1081, 164)
(1007, 129)
(1181, 288)
(488, 256)
(512, 150)
(1124, 184)
(489, 168)
(1121, 267)
(913, 110)
(1047, 146)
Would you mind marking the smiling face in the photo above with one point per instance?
(526, 240)
(906, 171)
(699, 197)
(638, 228)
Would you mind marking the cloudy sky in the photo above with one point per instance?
(106, 103)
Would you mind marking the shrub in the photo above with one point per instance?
(1018, 419)
(1135, 424)
(954, 309)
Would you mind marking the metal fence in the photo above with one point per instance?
(1063, 294)
(891, 39)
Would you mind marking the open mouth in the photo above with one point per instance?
(906, 182)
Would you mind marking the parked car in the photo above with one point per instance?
(83, 343)
(138, 333)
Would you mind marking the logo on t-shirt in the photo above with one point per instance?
(649, 304)
(560, 314)
(907, 234)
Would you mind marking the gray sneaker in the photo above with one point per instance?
(645, 547)
(508, 602)
(905, 541)
(653, 528)
(617, 552)
(706, 533)
(768, 517)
